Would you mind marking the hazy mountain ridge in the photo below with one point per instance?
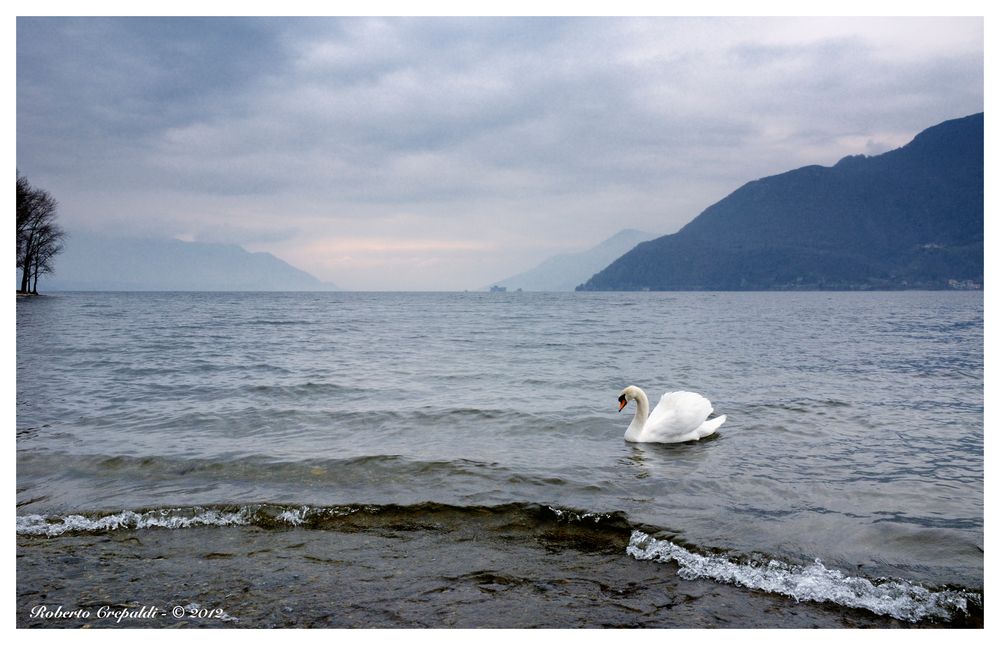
(908, 218)
(565, 271)
(99, 263)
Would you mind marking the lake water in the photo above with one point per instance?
(416, 459)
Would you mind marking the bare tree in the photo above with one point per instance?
(48, 245)
(39, 238)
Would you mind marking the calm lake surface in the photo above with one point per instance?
(230, 436)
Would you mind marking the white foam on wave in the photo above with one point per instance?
(173, 518)
(127, 520)
(898, 599)
(576, 516)
(293, 516)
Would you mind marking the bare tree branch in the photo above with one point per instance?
(39, 238)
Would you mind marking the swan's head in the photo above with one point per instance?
(630, 393)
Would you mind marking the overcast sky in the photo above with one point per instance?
(444, 153)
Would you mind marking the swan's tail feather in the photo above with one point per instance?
(711, 426)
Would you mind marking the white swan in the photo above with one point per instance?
(679, 416)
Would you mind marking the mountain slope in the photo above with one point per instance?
(909, 218)
(564, 272)
(91, 262)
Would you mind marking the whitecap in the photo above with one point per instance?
(127, 520)
(901, 600)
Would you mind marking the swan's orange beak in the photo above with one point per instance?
(621, 403)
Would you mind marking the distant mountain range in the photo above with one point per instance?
(909, 218)
(564, 272)
(105, 263)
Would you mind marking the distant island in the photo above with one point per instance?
(911, 218)
(565, 271)
(93, 262)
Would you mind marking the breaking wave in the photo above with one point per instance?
(278, 516)
(610, 532)
(901, 600)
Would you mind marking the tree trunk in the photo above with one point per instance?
(25, 274)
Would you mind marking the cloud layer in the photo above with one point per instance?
(444, 153)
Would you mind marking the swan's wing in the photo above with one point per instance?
(677, 414)
(711, 426)
(683, 409)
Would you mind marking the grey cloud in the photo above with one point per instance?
(342, 124)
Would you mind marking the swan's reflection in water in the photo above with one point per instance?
(667, 460)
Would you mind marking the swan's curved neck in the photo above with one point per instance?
(641, 411)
